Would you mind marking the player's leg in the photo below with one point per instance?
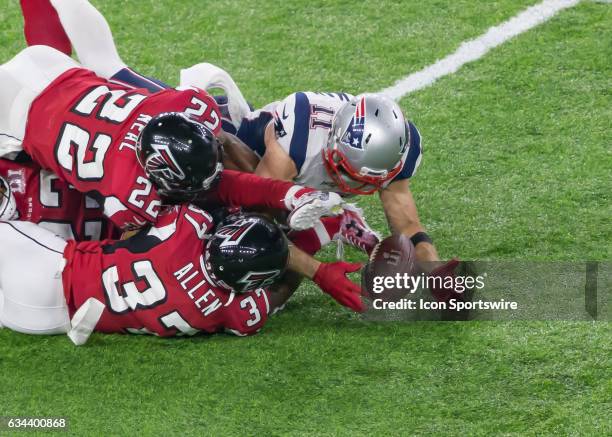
(41, 26)
(22, 79)
(93, 42)
(90, 36)
(206, 76)
(31, 263)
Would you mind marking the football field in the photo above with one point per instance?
(517, 165)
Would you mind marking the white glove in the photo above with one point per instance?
(308, 206)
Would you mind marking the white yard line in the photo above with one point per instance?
(474, 49)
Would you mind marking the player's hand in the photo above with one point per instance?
(331, 278)
(445, 293)
(307, 206)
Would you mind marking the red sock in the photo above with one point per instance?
(311, 240)
(42, 26)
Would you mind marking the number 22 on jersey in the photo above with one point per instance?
(87, 149)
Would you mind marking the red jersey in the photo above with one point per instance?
(156, 281)
(85, 129)
(41, 197)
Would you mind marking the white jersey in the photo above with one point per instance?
(302, 123)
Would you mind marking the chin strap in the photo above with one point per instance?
(339, 249)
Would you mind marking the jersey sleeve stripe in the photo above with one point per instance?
(299, 141)
(252, 132)
(414, 154)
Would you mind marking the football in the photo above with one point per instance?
(393, 256)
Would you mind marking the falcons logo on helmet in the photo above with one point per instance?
(255, 280)
(163, 165)
(233, 233)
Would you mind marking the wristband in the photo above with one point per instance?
(421, 237)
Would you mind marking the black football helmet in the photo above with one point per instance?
(247, 252)
(179, 155)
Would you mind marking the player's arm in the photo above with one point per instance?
(403, 217)
(330, 277)
(236, 154)
(276, 163)
(305, 205)
(248, 312)
(300, 265)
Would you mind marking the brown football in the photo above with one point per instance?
(393, 255)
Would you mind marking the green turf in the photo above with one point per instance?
(516, 166)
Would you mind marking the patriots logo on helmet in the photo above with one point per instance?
(354, 133)
(163, 165)
(233, 233)
(256, 280)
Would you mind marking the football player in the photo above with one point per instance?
(352, 145)
(32, 194)
(177, 277)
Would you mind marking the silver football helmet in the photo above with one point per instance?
(8, 205)
(367, 144)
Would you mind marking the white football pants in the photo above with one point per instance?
(90, 35)
(31, 293)
(207, 76)
(22, 79)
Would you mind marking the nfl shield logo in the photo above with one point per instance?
(17, 181)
